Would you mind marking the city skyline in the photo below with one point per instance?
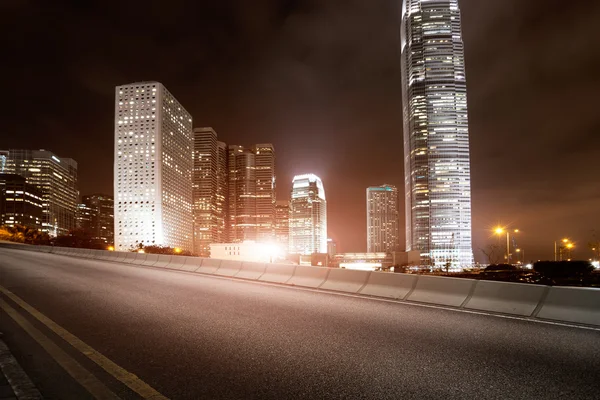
(316, 103)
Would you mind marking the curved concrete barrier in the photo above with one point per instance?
(191, 263)
(346, 280)
(130, 257)
(139, 258)
(251, 270)
(229, 268)
(121, 256)
(572, 304)
(162, 261)
(308, 276)
(386, 284)
(506, 297)
(113, 255)
(277, 273)
(176, 262)
(442, 290)
(97, 254)
(150, 260)
(82, 253)
(209, 266)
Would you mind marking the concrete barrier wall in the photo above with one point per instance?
(191, 263)
(393, 286)
(568, 304)
(139, 258)
(209, 266)
(277, 273)
(572, 304)
(346, 280)
(130, 257)
(121, 256)
(505, 297)
(150, 260)
(229, 268)
(176, 262)
(251, 270)
(162, 261)
(309, 276)
(441, 290)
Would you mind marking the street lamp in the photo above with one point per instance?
(566, 243)
(500, 231)
(522, 254)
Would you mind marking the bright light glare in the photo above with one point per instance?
(499, 230)
(141, 251)
(111, 248)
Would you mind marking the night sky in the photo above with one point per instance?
(321, 81)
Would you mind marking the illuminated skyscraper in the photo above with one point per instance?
(282, 223)
(56, 178)
(209, 190)
(96, 215)
(152, 169)
(436, 135)
(308, 216)
(383, 219)
(251, 193)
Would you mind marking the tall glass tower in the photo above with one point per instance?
(308, 216)
(436, 134)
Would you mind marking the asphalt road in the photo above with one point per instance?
(200, 337)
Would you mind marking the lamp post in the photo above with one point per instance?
(500, 231)
(558, 250)
(522, 251)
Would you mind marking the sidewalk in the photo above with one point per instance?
(14, 383)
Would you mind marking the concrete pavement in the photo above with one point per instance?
(190, 336)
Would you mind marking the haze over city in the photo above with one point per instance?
(321, 81)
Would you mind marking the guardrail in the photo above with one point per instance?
(567, 304)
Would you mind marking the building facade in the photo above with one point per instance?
(96, 215)
(282, 223)
(56, 178)
(209, 190)
(152, 168)
(308, 216)
(20, 203)
(383, 219)
(436, 134)
(251, 193)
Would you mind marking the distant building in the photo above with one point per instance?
(331, 247)
(383, 219)
(282, 223)
(20, 202)
(436, 133)
(55, 177)
(308, 216)
(96, 215)
(209, 190)
(374, 261)
(248, 251)
(251, 193)
(83, 217)
(153, 168)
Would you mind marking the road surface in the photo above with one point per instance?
(190, 336)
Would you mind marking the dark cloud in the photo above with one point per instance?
(321, 80)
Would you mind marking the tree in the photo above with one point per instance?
(494, 253)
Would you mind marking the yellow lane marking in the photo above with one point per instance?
(73, 368)
(126, 377)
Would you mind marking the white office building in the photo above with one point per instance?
(152, 168)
